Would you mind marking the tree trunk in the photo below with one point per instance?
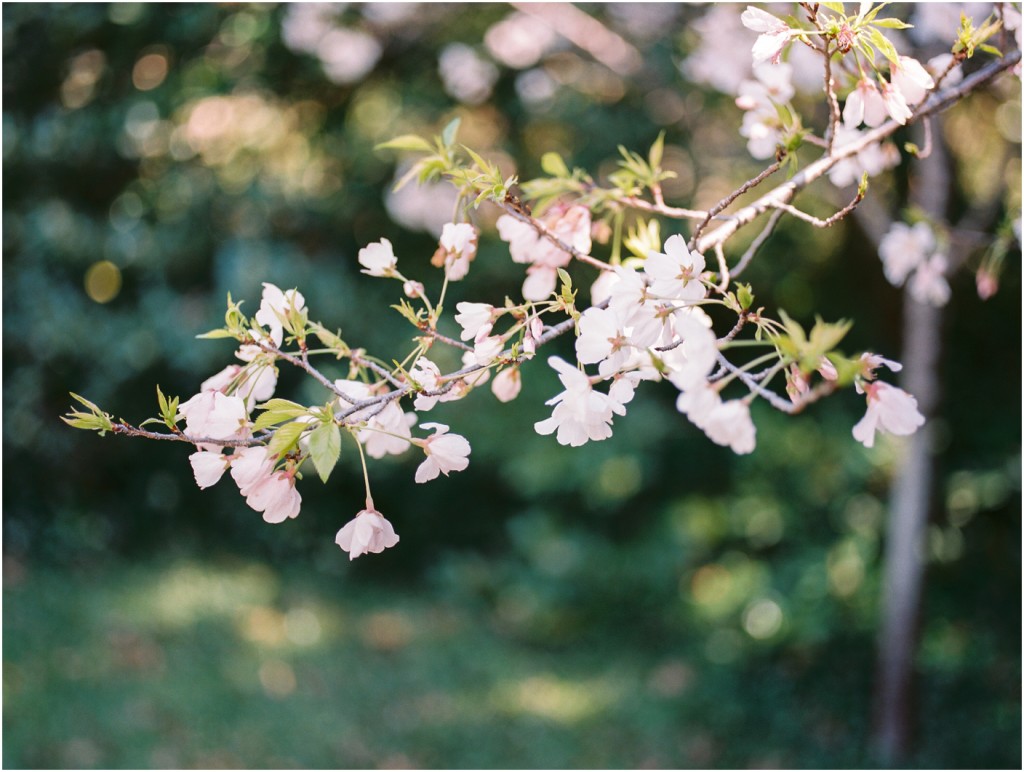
(905, 544)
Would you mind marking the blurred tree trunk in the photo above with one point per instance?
(905, 544)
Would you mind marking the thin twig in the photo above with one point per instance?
(672, 212)
(755, 245)
(817, 222)
(721, 205)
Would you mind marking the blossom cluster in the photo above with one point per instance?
(651, 317)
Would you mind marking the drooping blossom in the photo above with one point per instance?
(369, 531)
(445, 453)
(580, 413)
(675, 274)
(904, 248)
(208, 467)
(729, 424)
(864, 105)
(507, 384)
(890, 410)
(895, 102)
(378, 259)
(911, 78)
(276, 496)
(249, 466)
(689, 363)
(456, 250)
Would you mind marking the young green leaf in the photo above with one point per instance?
(324, 448)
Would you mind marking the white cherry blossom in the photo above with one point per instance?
(904, 248)
(928, 285)
(474, 317)
(912, 79)
(378, 259)
(675, 274)
(275, 306)
(773, 35)
(580, 413)
(457, 249)
(890, 410)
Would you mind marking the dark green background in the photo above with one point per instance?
(547, 607)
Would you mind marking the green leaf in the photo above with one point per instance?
(92, 406)
(324, 448)
(835, 8)
(657, 151)
(218, 333)
(405, 142)
(449, 132)
(283, 405)
(286, 438)
(892, 24)
(553, 165)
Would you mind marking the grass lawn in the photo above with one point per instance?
(183, 663)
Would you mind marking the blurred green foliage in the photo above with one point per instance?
(646, 600)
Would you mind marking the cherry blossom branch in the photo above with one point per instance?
(125, 428)
(785, 192)
(833, 101)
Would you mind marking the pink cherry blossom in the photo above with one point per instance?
(208, 467)
(378, 259)
(507, 384)
(275, 496)
(445, 453)
(874, 159)
(214, 415)
(369, 531)
(890, 410)
(250, 466)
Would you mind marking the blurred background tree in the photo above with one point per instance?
(643, 601)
